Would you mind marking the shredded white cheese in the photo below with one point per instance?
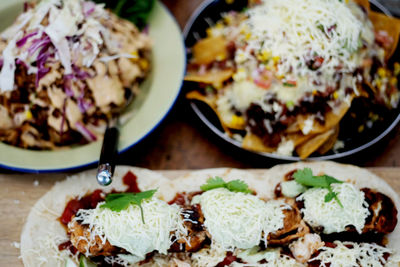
(126, 230)
(238, 220)
(296, 30)
(273, 258)
(331, 215)
(363, 254)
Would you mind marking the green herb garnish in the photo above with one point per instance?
(209, 89)
(121, 201)
(233, 186)
(306, 178)
(289, 84)
(136, 11)
(290, 104)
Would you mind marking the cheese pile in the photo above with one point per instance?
(295, 31)
(334, 218)
(352, 254)
(238, 220)
(125, 229)
(303, 44)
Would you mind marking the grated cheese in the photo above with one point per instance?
(208, 257)
(126, 230)
(363, 254)
(294, 31)
(273, 258)
(330, 214)
(238, 220)
(285, 147)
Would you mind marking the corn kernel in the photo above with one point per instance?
(28, 115)
(314, 92)
(135, 55)
(360, 128)
(144, 64)
(335, 95)
(237, 121)
(378, 83)
(247, 36)
(276, 59)
(209, 32)
(393, 81)
(228, 19)
(396, 69)
(219, 25)
(382, 72)
(265, 55)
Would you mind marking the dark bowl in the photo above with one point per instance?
(356, 146)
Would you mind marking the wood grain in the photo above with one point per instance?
(18, 194)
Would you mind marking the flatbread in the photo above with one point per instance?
(43, 232)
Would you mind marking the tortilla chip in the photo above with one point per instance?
(215, 78)
(211, 102)
(255, 143)
(388, 24)
(210, 49)
(293, 128)
(331, 120)
(307, 148)
(330, 142)
(299, 138)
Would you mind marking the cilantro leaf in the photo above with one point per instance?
(121, 201)
(238, 186)
(136, 11)
(331, 195)
(306, 178)
(213, 183)
(233, 186)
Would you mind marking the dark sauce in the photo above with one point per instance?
(228, 260)
(130, 179)
(67, 246)
(90, 201)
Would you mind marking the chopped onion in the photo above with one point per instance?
(85, 132)
(84, 105)
(43, 41)
(88, 8)
(24, 39)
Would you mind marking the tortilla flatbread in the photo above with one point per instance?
(43, 232)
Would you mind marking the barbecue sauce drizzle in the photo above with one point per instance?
(90, 201)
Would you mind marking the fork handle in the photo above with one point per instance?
(108, 154)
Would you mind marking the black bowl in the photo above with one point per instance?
(355, 145)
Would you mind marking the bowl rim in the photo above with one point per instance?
(144, 136)
(225, 137)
